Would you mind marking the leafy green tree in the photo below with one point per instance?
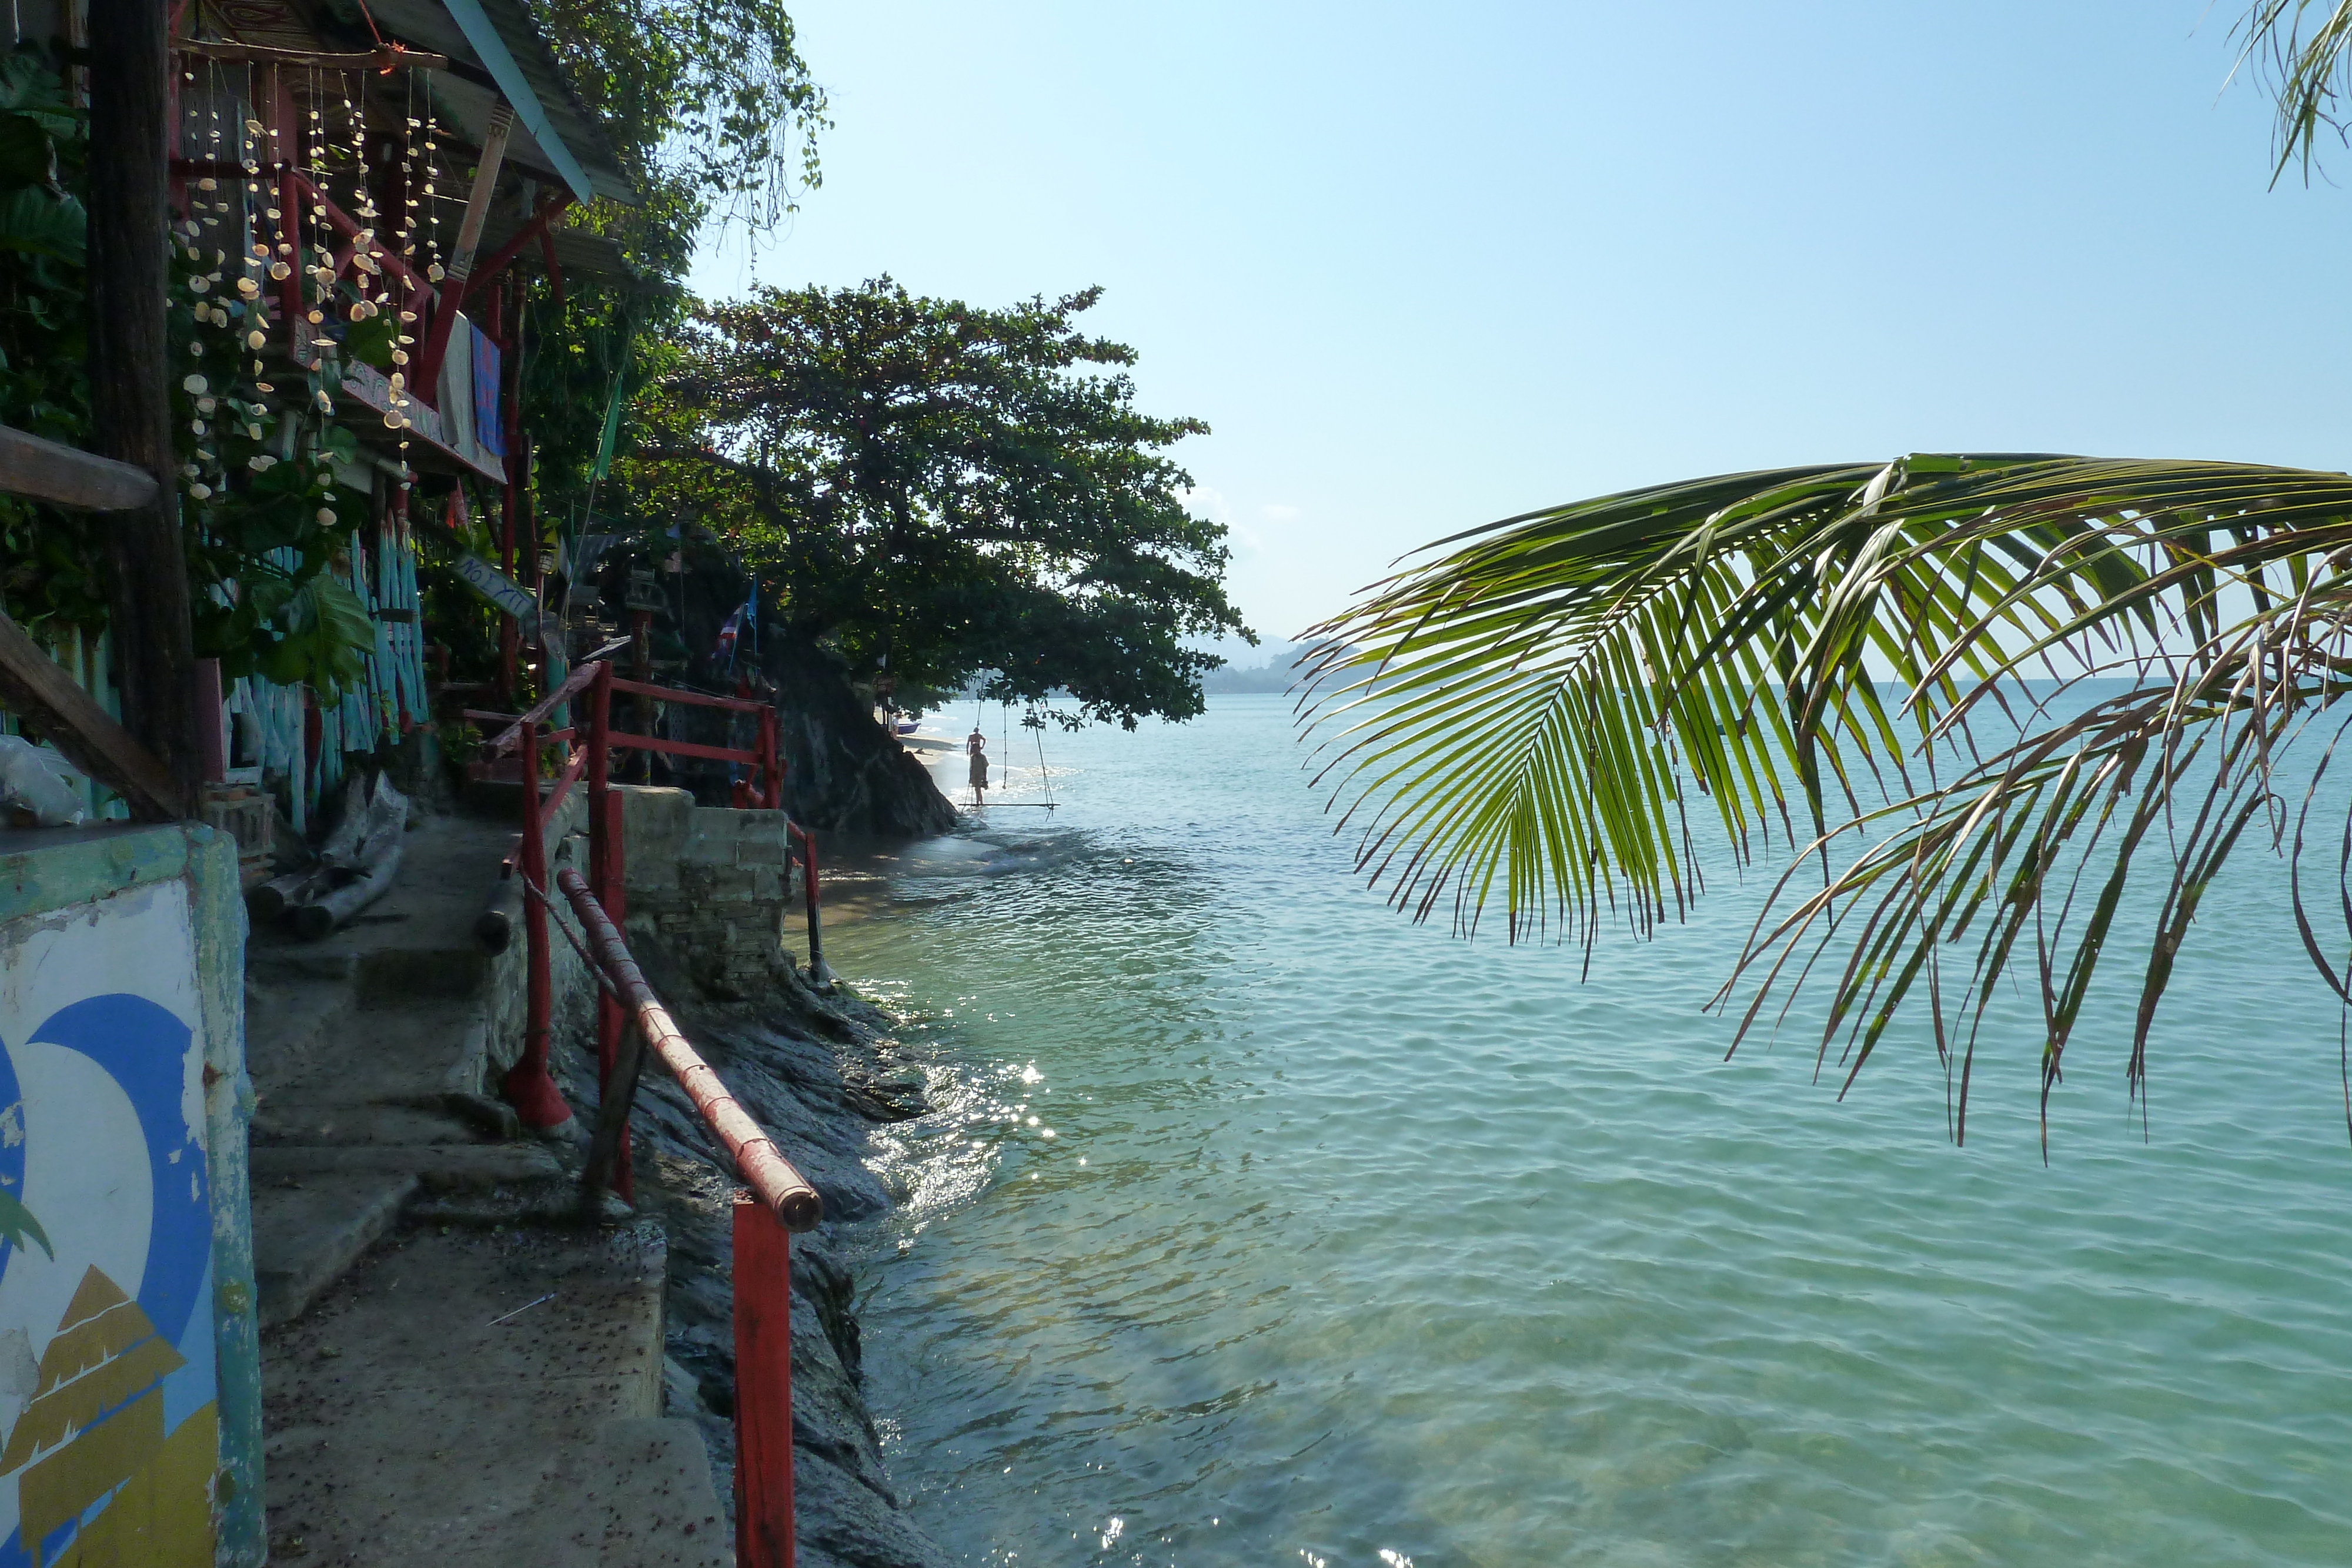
(709, 101)
(938, 490)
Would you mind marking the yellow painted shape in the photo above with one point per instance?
(105, 1351)
(97, 1461)
(163, 1519)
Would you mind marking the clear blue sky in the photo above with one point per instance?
(1422, 268)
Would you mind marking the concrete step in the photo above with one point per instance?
(438, 1167)
(309, 1228)
(474, 1398)
(317, 1209)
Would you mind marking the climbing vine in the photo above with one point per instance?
(263, 518)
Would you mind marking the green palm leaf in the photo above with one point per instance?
(17, 1224)
(1531, 719)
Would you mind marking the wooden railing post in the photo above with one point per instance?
(600, 777)
(763, 1387)
(607, 878)
(528, 1088)
(809, 893)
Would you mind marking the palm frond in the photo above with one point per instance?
(2304, 48)
(1900, 652)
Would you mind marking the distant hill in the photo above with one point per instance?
(1275, 672)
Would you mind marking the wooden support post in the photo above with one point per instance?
(616, 1066)
(641, 670)
(129, 370)
(764, 1388)
(608, 1150)
(815, 906)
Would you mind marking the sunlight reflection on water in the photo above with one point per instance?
(1356, 1244)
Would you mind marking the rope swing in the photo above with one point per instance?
(1004, 752)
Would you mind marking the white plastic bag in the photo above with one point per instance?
(41, 781)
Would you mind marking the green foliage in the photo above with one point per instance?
(17, 1225)
(51, 571)
(2308, 60)
(948, 488)
(708, 101)
(1535, 715)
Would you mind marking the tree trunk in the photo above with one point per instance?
(843, 773)
(129, 364)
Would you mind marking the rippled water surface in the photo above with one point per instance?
(1260, 1226)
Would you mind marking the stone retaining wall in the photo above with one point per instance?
(710, 884)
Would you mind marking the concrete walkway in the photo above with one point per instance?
(456, 1370)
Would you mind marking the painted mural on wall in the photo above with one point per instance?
(107, 1439)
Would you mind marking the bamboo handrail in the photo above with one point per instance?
(771, 1178)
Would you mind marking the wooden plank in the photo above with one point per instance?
(131, 374)
(36, 687)
(68, 476)
(764, 1388)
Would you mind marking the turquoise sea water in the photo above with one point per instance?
(1258, 1225)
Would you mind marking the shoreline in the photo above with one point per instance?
(820, 1073)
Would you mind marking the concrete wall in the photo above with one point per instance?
(573, 994)
(710, 882)
(129, 1369)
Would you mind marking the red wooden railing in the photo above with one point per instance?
(779, 1200)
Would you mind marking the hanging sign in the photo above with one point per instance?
(497, 587)
(505, 594)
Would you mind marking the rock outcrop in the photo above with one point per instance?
(817, 1072)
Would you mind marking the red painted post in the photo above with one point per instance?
(771, 778)
(528, 1087)
(764, 1388)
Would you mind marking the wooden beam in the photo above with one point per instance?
(35, 686)
(459, 264)
(129, 381)
(67, 476)
(387, 59)
(550, 211)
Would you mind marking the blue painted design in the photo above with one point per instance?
(144, 1050)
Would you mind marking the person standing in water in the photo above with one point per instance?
(977, 745)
